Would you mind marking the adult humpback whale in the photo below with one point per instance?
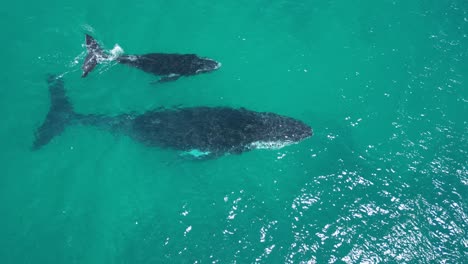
(169, 66)
(202, 131)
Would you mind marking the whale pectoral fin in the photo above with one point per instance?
(197, 155)
(169, 78)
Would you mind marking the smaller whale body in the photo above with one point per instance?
(202, 132)
(168, 66)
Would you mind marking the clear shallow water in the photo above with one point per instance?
(383, 179)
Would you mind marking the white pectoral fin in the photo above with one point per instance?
(169, 78)
(196, 153)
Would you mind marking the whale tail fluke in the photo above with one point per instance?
(94, 55)
(59, 116)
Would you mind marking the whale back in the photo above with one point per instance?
(215, 129)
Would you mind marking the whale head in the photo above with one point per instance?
(279, 131)
(207, 65)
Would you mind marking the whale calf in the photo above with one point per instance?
(205, 132)
(169, 66)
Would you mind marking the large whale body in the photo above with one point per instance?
(170, 66)
(205, 131)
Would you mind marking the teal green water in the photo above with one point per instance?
(383, 179)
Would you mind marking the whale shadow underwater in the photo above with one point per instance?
(169, 66)
(200, 132)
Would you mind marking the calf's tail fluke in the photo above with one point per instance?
(94, 55)
(59, 116)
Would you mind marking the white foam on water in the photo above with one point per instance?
(115, 52)
(78, 59)
(88, 28)
(108, 61)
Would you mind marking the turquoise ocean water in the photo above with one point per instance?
(383, 179)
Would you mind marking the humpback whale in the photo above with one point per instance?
(169, 66)
(203, 132)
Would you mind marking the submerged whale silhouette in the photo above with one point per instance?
(200, 131)
(169, 66)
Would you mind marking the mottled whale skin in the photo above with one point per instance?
(211, 131)
(169, 66)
